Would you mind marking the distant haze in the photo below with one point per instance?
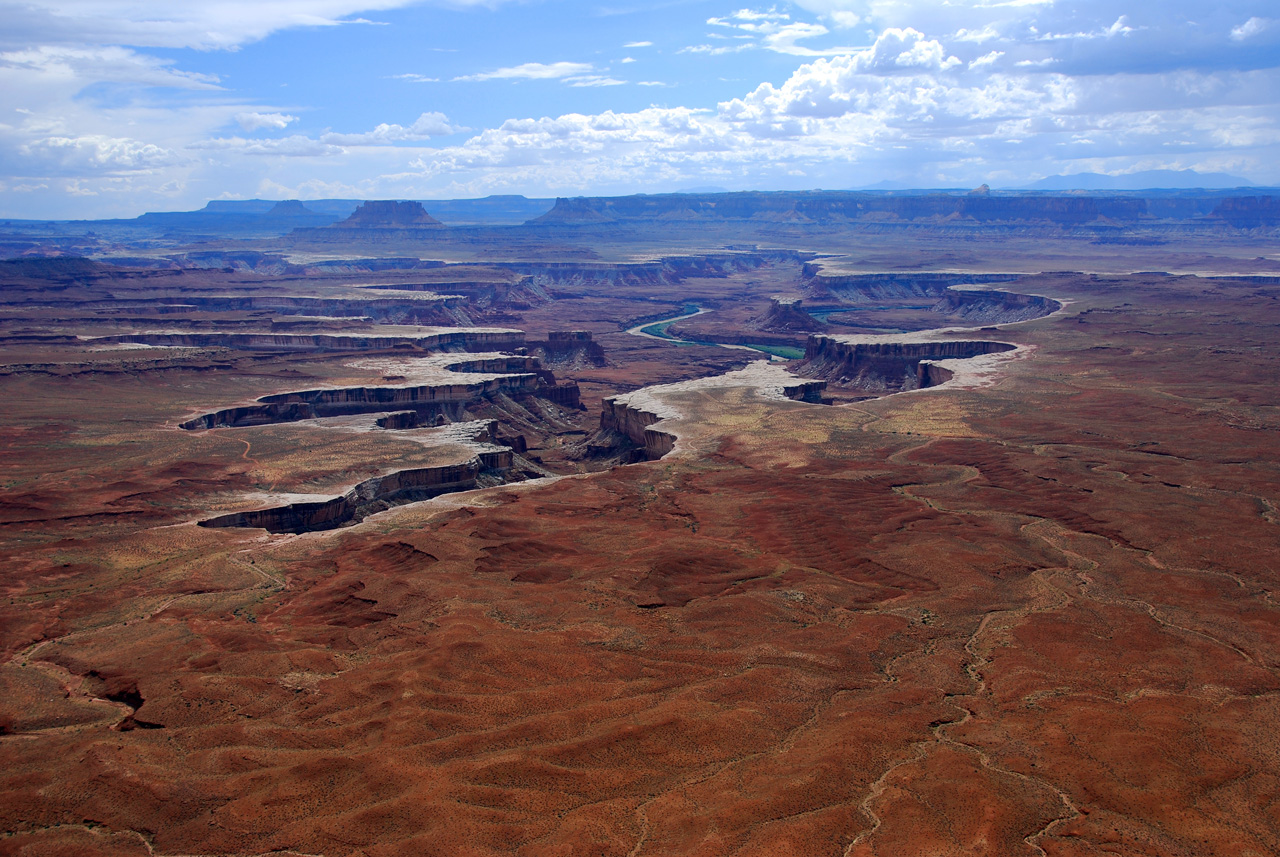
(1140, 181)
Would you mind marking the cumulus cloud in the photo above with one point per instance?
(260, 121)
(428, 125)
(968, 91)
(986, 60)
(96, 153)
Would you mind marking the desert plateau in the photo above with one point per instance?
(695, 524)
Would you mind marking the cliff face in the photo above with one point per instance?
(888, 366)
(843, 207)
(870, 288)
(995, 307)
(619, 416)
(522, 377)
(370, 496)
(633, 423)
(467, 340)
(1249, 212)
(394, 310)
(664, 271)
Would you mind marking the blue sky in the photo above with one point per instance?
(115, 107)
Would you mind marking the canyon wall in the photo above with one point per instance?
(432, 400)
(466, 340)
(618, 416)
(872, 288)
(370, 496)
(994, 307)
(635, 422)
(887, 366)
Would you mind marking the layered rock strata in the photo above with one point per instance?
(516, 376)
(574, 348)
(888, 363)
(787, 315)
(389, 214)
(370, 496)
(475, 339)
(991, 306)
(824, 285)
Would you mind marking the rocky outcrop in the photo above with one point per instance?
(787, 316)
(389, 214)
(371, 496)
(569, 348)
(887, 366)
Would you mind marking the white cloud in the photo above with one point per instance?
(428, 125)
(965, 90)
(295, 146)
(638, 45)
(102, 64)
(986, 60)
(533, 71)
(1250, 28)
(593, 80)
(770, 30)
(415, 78)
(97, 153)
(203, 24)
(1119, 28)
(260, 121)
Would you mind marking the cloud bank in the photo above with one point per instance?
(93, 120)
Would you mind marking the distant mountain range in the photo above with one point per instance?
(1144, 180)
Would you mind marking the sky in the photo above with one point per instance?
(109, 108)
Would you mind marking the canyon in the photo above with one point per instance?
(947, 524)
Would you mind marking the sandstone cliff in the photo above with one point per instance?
(888, 366)
(787, 316)
(371, 496)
